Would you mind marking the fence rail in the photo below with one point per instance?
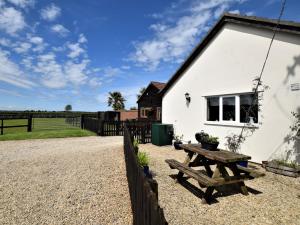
(141, 130)
(28, 125)
(34, 122)
(143, 191)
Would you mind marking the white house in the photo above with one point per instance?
(218, 76)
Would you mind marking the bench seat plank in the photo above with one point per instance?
(251, 172)
(200, 177)
(204, 179)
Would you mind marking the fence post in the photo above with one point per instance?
(82, 121)
(29, 126)
(154, 186)
(2, 127)
(143, 135)
(101, 128)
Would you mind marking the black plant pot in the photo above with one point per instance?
(210, 146)
(147, 171)
(176, 145)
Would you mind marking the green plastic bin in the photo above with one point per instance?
(162, 134)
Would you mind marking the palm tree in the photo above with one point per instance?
(116, 100)
(68, 108)
(142, 90)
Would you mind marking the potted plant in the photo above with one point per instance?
(283, 167)
(207, 141)
(143, 160)
(177, 142)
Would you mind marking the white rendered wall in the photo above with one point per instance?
(229, 65)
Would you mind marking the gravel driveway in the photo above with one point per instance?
(64, 181)
(273, 199)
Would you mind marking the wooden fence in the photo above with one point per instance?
(141, 130)
(143, 191)
(38, 121)
(28, 125)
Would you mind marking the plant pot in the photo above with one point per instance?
(176, 145)
(210, 146)
(275, 167)
(243, 163)
(147, 171)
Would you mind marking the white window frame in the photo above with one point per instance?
(236, 122)
(143, 111)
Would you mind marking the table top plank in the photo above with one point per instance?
(220, 156)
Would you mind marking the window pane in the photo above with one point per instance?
(213, 109)
(246, 114)
(229, 108)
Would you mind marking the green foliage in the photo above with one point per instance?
(136, 145)
(133, 108)
(178, 137)
(211, 139)
(116, 100)
(286, 163)
(233, 142)
(143, 158)
(68, 108)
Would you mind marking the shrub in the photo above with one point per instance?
(136, 145)
(143, 158)
(212, 139)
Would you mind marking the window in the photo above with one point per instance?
(145, 112)
(213, 109)
(158, 113)
(233, 109)
(246, 114)
(229, 108)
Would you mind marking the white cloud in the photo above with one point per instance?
(111, 72)
(51, 71)
(236, 11)
(11, 20)
(75, 72)
(82, 39)
(5, 42)
(95, 82)
(22, 3)
(22, 47)
(51, 12)
(36, 40)
(47, 57)
(172, 40)
(60, 29)
(76, 50)
(11, 73)
(9, 92)
(27, 62)
(250, 13)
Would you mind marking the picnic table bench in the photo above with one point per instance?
(220, 176)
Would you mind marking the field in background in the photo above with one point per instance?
(43, 128)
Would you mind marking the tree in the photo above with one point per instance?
(116, 100)
(133, 108)
(142, 90)
(68, 108)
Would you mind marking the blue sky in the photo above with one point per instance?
(54, 53)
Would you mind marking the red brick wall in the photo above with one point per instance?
(128, 115)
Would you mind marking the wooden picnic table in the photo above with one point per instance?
(209, 178)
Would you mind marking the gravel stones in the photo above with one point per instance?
(64, 181)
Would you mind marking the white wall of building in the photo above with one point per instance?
(229, 65)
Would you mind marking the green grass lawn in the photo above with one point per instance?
(42, 128)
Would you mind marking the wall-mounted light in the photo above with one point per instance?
(187, 98)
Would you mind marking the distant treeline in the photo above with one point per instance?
(45, 114)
